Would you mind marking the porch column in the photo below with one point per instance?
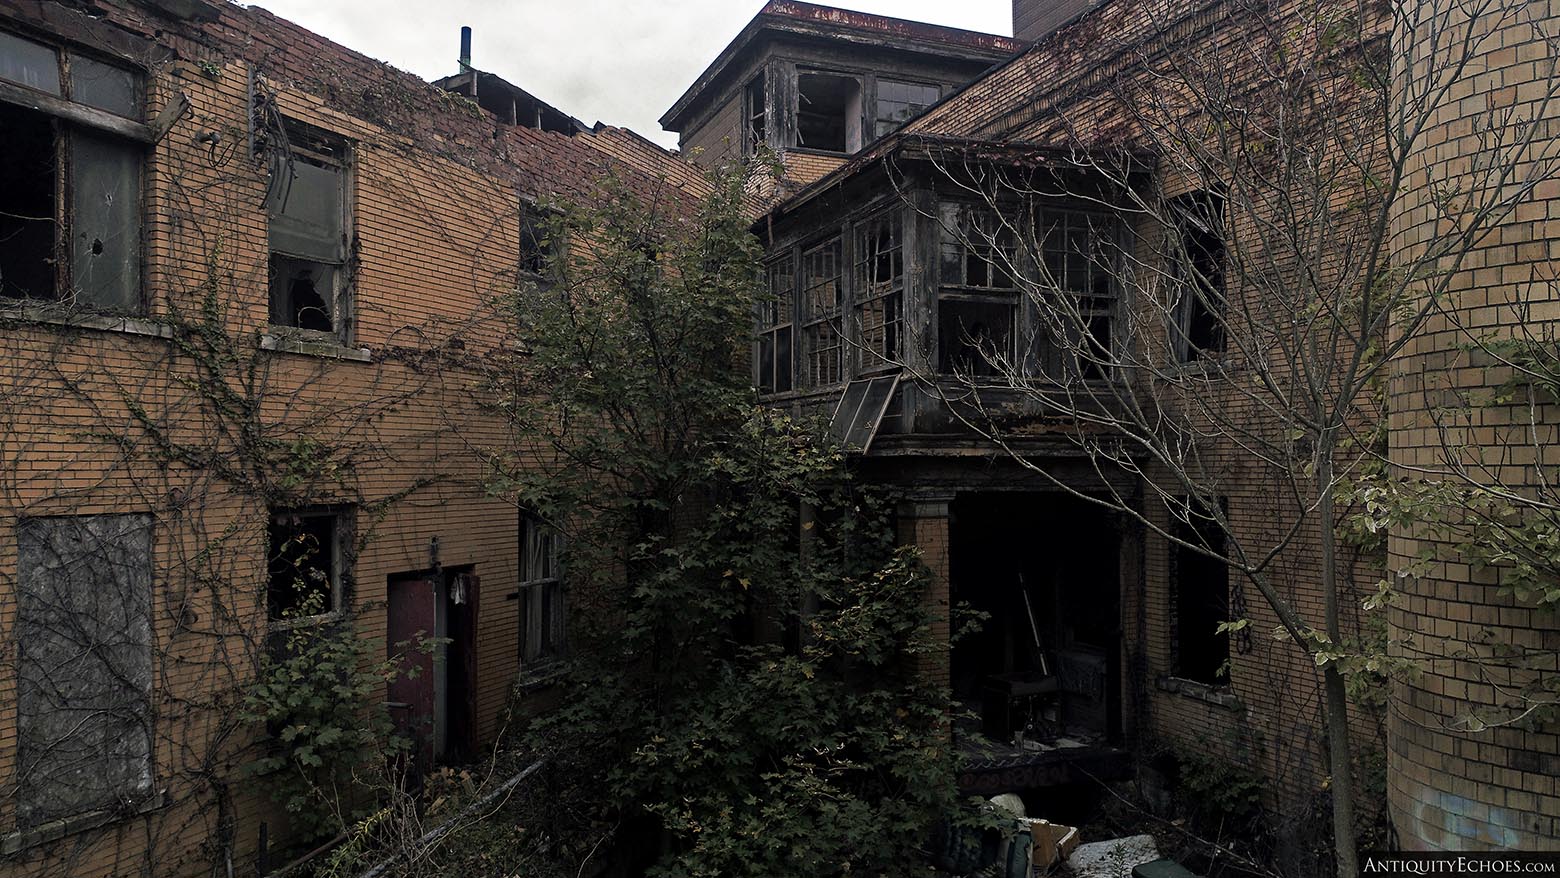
(923, 522)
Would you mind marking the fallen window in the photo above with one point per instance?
(543, 635)
(977, 302)
(84, 671)
(899, 102)
(71, 237)
(828, 112)
(1198, 269)
(880, 289)
(305, 560)
(308, 223)
(823, 351)
(773, 347)
(1201, 587)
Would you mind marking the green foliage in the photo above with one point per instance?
(320, 696)
(743, 696)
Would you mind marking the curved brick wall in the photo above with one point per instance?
(1496, 789)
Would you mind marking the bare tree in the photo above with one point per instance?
(1209, 250)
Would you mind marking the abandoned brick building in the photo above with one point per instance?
(235, 274)
(896, 267)
(230, 254)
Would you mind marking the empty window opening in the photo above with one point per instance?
(543, 631)
(823, 350)
(304, 564)
(84, 669)
(880, 277)
(978, 299)
(538, 250)
(308, 222)
(1198, 267)
(757, 114)
(70, 196)
(1202, 599)
(775, 327)
(899, 102)
(828, 112)
(1079, 268)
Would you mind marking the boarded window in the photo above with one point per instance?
(70, 195)
(828, 112)
(308, 230)
(542, 613)
(85, 665)
(304, 564)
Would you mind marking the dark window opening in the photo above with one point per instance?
(1202, 599)
(1079, 268)
(543, 632)
(304, 565)
(880, 274)
(308, 222)
(976, 337)
(828, 112)
(70, 197)
(757, 115)
(899, 102)
(775, 328)
(1199, 268)
(978, 296)
(537, 248)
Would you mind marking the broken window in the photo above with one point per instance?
(1079, 264)
(823, 350)
(899, 102)
(828, 112)
(1201, 586)
(307, 203)
(542, 617)
(880, 288)
(305, 563)
(84, 665)
(70, 193)
(775, 327)
(1198, 271)
(977, 302)
(538, 250)
(755, 111)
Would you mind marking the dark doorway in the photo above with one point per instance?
(1064, 554)
(431, 627)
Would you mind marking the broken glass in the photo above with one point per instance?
(105, 228)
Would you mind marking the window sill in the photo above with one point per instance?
(58, 315)
(1218, 696)
(292, 341)
(279, 625)
(544, 677)
(16, 842)
(809, 150)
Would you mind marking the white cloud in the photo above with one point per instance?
(614, 61)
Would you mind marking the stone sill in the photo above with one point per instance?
(57, 315)
(1218, 696)
(312, 345)
(22, 839)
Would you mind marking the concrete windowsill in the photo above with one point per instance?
(60, 315)
(1218, 696)
(22, 839)
(313, 345)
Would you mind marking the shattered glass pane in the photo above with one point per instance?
(105, 223)
(307, 216)
(85, 664)
(105, 86)
(27, 63)
(303, 294)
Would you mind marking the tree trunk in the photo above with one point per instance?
(1337, 716)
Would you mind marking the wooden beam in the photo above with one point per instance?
(73, 112)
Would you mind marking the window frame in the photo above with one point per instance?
(343, 525)
(1176, 564)
(877, 103)
(755, 136)
(552, 628)
(958, 245)
(70, 117)
(776, 318)
(304, 142)
(1101, 228)
(1198, 226)
(887, 349)
(855, 124)
(819, 330)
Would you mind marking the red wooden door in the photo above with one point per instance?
(412, 619)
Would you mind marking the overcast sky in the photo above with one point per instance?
(622, 62)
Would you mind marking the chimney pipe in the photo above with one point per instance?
(465, 49)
